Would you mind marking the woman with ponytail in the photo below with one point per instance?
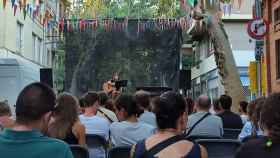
(269, 145)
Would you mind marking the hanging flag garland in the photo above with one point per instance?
(4, 3)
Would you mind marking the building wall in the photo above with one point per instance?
(270, 49)
(8, 36)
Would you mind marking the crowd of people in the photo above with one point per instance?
(154, 126)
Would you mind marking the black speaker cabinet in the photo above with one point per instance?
(185, 79)
(46, 76)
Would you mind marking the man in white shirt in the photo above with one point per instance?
(211, 125)
(94, 124)
(103, 112)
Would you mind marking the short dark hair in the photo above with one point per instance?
(204, 102)
(103, 98)
(90, 98)
(35, 100)
(243, 105)
(168, 108)
(143, 99)
(270, 116)
(216, 104)
(4, 109)
(225, 102)
(128, 103)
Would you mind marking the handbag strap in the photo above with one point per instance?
(162, 145)
(202, 118)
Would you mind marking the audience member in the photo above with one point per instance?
(190, 105)
(65, 124)
(251, 128)
(110, 105)
(243, 111)
(217, 106)
(34, 107)
(94, 124)
(202, 123)
(81, 105)
(268, 146)
(230, 120)
(103, 112)
(5, 116)
(143, 101)
(128, 131)
(171, 117)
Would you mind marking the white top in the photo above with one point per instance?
(127, 133)
(109, 114)
(148, 118)
(96, 125)
(244, 118)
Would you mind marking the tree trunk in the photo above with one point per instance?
(228, 71)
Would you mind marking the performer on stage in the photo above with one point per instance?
(110, 86)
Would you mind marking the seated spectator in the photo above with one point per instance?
(230, 120)
(190, 105)
(143, 101)
(94, 124)
(251, 128)
(202, 123)
(34, 107)
(171, 117)
(5, 116)
(110, 105)
(216, 106)
(65, 123)
(103, 112)
(243, 111)
(128, 131)
(268, 146)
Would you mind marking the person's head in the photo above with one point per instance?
(243, 107)
(110, 105)
(216, 106)
(126, 107)
(34, 105)
(65, 115)
(270, 116)
(203, 103)
(115, 76)
(190, 105)
(171, 111)
(103, 98)
(5, 116)
(91, 101)
(5, 109)
(143, 100)
(252, 106)
(225, 102)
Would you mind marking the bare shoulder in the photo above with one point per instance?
(78, 126)
(204, 153)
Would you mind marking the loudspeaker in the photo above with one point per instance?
(185, 79)
(46, 76)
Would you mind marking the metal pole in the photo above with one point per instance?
(258, 61)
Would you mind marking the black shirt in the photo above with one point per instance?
(231, 120)
(256, 148)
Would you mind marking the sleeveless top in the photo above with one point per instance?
(141, 148)
(71, 138)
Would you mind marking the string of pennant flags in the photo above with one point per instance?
(71, 25)
(33, 10)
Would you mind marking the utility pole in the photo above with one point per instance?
(258, 52)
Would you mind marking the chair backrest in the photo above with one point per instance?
(120, 152)
(93, 141)
(231, 133)
(220, 148)
(195, 137)
(79, 151)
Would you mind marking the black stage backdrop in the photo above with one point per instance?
(149, 58)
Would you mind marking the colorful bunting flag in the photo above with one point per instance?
(15, 9)
(4, 3)
(13, 3)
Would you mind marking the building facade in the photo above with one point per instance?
(205, 77)
(271, 13)
(26, 44)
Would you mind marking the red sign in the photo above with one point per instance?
(257, 28)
